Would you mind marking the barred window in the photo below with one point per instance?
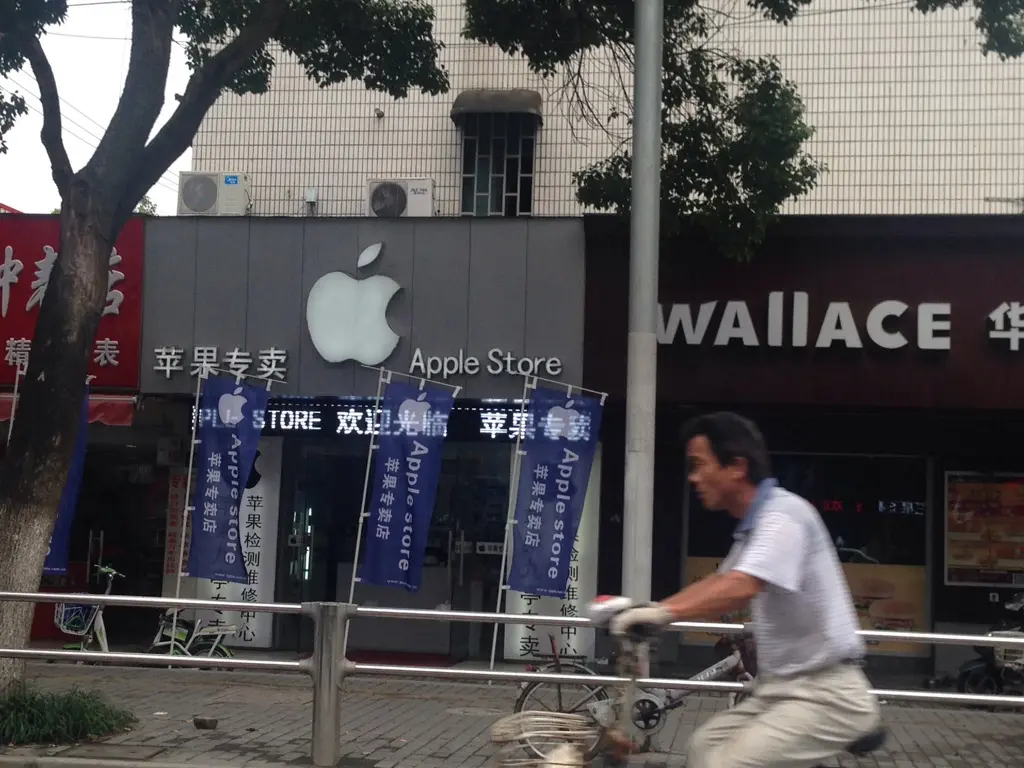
(497, 164)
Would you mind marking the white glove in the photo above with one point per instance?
(655, 615)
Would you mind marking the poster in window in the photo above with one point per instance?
(984, 518)
(887, 597)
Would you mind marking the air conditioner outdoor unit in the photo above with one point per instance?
(213, 194)
(394, 198)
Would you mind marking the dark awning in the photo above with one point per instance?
(480, 101)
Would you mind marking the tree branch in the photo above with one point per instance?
(204, 87)
(143, 95)
(52, 133)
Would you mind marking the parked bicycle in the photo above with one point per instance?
(997, 670)
(178, 636)
(86, 621)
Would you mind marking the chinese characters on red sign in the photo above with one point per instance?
(28, 252)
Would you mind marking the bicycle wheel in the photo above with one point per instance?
(570, 698)
(220, 651)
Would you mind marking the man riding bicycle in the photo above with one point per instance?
(811, 698)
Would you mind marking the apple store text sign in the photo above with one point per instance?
(553, 480)
(406, 471)
(498, 362)
(507, 423)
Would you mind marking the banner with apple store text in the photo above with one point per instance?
(227, 450)
(401, 499)
(553, 479)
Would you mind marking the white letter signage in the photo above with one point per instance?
(734, 324)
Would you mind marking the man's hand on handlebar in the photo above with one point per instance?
(643, 621)
(622, 617)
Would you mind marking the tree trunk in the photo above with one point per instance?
(35, 469)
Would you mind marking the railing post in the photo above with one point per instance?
(327, 667)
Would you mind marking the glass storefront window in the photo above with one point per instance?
(875, 511)
(874, 507)
(320, 522)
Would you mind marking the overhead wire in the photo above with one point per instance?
(167, 179)
(92, 142)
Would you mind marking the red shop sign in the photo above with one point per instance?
(27, 253)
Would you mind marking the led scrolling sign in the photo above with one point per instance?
(505, 422)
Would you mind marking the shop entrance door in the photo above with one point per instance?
(320, 531)
(474, 490)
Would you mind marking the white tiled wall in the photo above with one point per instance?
(910, 117)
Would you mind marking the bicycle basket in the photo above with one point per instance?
(1011, 658)
(548, 738)
(74, 619)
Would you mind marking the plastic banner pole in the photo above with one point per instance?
(19, 371)
(529, 383)
(186, 513)
(383, 378)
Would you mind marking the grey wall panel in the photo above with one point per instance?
(555, 296)
(396, 262)
(497, 301)
(329, 245)
(466, 284)
(440, 319)
(168, 300)
(222, 286)
(274, 310)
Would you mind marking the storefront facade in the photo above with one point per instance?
(472, 303)
(881, 357)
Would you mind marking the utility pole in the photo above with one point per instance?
(642, 354)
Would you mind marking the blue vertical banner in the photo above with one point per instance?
(60, 539)
(401, 499)
(228, 436)
(561, 439)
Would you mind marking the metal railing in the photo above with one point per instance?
(328, 667)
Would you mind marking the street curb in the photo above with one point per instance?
(45, 761)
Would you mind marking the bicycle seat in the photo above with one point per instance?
(868, 743)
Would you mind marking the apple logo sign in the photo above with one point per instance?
(414, 415)
(254, 474)
(229, 407)
(347, 317)
(563, 422)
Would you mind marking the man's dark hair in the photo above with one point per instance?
(732, 437)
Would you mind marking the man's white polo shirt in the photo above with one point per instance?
(805, 619)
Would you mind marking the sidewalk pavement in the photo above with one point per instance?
(264, 719)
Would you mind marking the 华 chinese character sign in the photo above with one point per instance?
(401, 500)
(553, 479)
(29, 251)
(227, 450)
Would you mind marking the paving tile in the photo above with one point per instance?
(264, 719)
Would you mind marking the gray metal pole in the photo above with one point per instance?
(326, 665)
(642, 354)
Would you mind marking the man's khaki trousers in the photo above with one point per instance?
(794, 722)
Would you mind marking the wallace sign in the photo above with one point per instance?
(790, 326)
(854, 311)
